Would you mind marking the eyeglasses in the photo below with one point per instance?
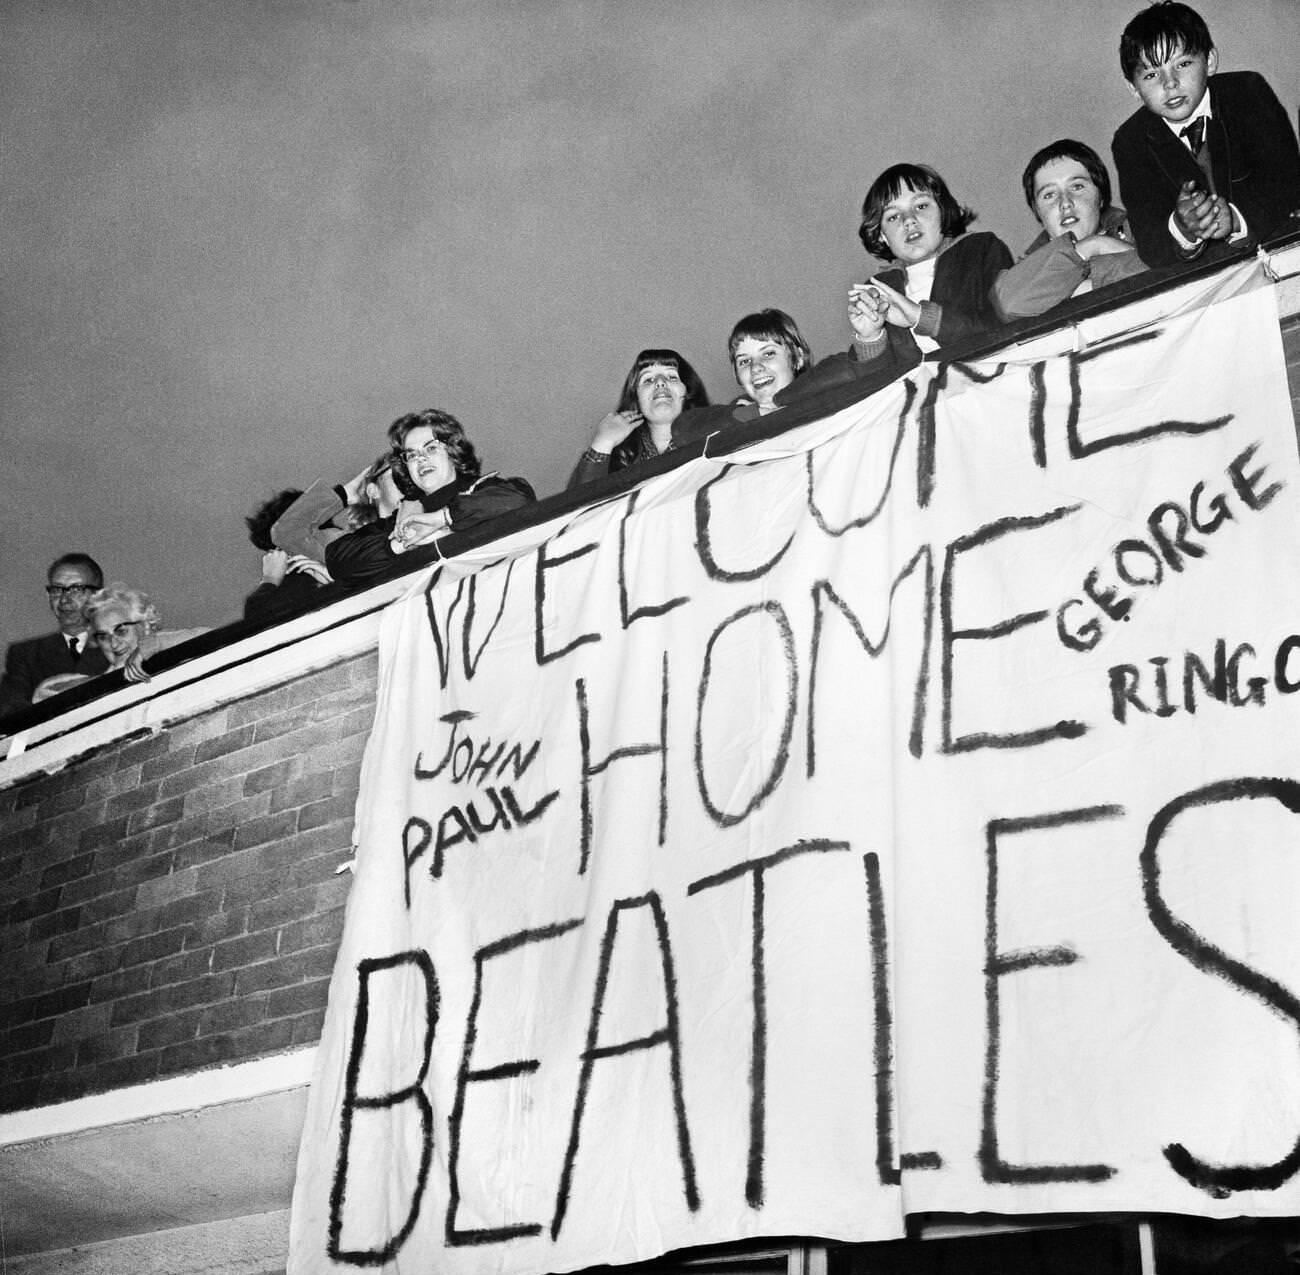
(68, 590)
(118, 630)
(430, 451)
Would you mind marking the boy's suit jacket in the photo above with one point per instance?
(29, 663)
(1253, 156)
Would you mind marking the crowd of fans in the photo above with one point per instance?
(1208, 163)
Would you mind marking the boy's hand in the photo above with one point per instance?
(1201, 215)
(1225, 221)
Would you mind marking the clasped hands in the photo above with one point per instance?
(1200, 215)
(414, 527)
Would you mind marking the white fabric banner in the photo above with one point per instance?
(901, 815)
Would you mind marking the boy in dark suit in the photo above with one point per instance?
(70, 582)
(1210, 162)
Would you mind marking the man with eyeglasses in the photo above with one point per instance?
(71, 581)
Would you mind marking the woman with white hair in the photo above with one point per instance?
(124, 625)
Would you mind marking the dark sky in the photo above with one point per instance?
(242, 236)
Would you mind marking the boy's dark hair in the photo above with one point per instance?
(954, 216)
(448, 431)
(696, 394)
(266, 515)
(772, 325)
(1159, 30)
(84, 562)
(1068, 148)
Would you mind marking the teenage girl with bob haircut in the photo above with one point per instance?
(937, 293)
(660, 386)
(768, 355)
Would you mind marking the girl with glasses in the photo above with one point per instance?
(449, 492)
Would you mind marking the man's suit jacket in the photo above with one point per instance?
(29, 663)
(1253, 156)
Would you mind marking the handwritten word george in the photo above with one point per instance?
(1141, 563)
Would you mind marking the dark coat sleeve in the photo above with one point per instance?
(898, 354)
(697, 423)
(1262, 157)
(29, 663)
(963, 287)
(591, 467)
(361, 555)
(277, 601)
(365, 555)
(17, 685)
(488, 498)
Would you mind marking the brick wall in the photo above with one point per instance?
(171, 902)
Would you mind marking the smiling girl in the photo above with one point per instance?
(938, 292)
(767, 353)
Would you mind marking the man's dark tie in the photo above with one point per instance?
(74, 650)
(1194, 136)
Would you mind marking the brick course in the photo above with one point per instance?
(171, 902)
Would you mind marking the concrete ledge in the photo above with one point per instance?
(254, 1245)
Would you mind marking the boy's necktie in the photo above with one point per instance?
(1194, 136)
